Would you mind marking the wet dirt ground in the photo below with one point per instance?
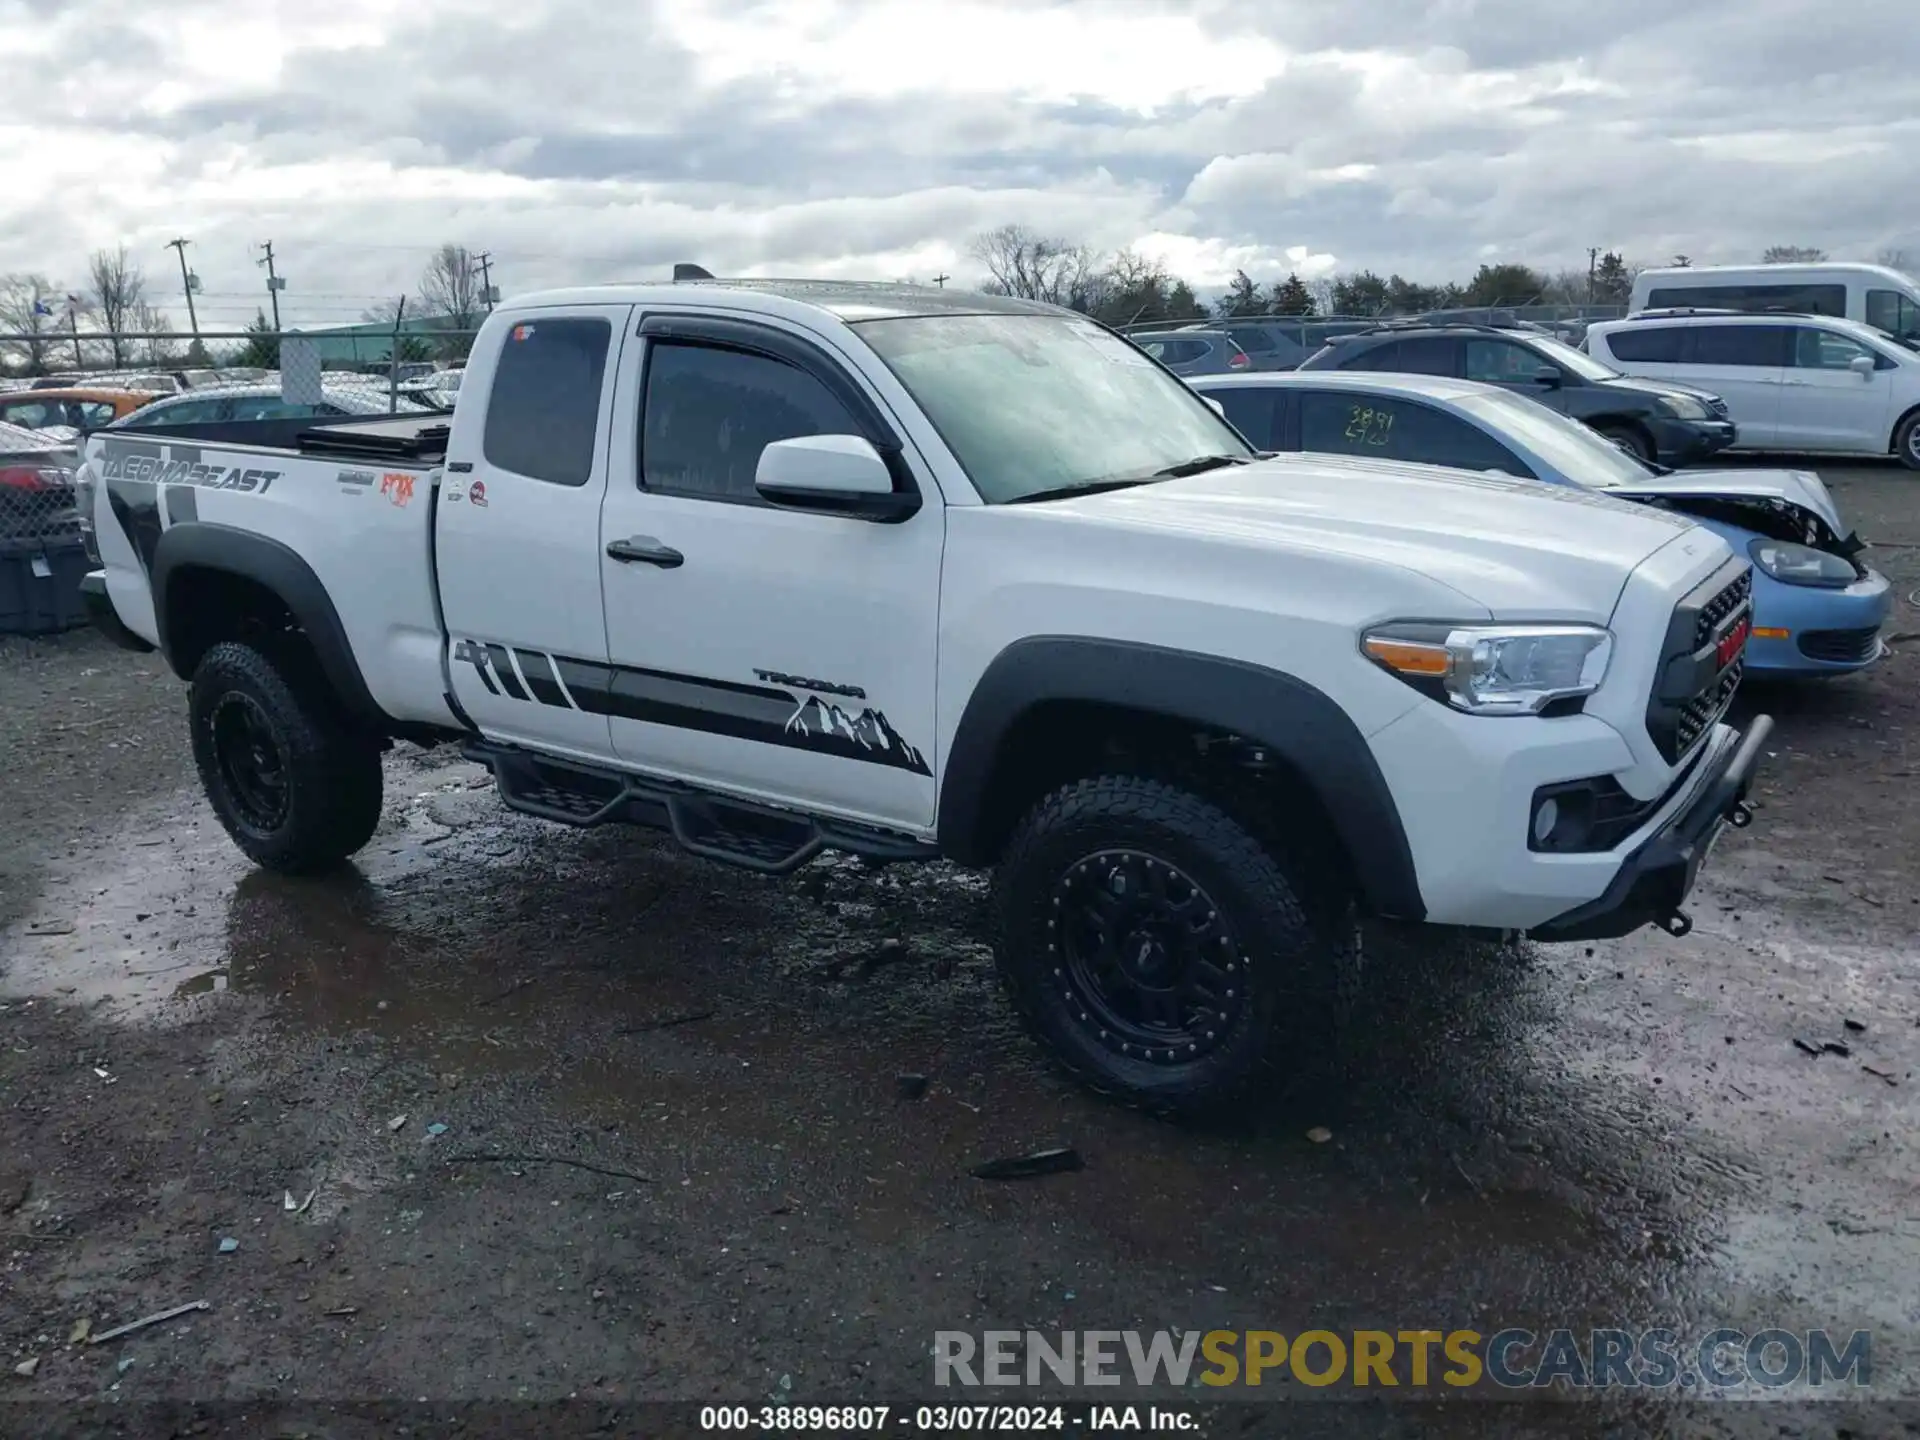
(721, 1193)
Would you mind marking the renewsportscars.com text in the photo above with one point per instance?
(1511, 1359)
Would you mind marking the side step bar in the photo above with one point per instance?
(736, 832)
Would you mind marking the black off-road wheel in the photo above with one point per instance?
(295, 786)
(1160, 952)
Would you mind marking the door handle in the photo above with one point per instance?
(645, 550)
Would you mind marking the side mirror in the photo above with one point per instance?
(1863, 366)
(833, 475)
(1218, 408)
(1547, 378)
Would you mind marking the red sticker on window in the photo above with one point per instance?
(522, 332)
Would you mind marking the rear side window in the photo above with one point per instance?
(710, 412)
(1648, 345)
(1808, 299)
(544, 409)
(1392, 428)
(1250, 411)
(1760, 346)
(1429, 356)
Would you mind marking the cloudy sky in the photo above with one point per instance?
(605, 139)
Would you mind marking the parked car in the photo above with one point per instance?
(1871, 294)
(74, 408)
(1817, 609)
(36, 488)
(1808, 384)
(437, 391)
(785, 566)
(1194, 351)
(1666, 423)
(261, 402)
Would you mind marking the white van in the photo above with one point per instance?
(1871, 294)
(1804, 384)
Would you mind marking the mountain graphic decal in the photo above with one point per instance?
(856, 734)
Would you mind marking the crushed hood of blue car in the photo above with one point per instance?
(1792, 505)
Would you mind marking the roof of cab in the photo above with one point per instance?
(847, 300)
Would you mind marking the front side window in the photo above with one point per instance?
(710, 412)
(544, 409)
(1897, 314)
(1501, 362)
(1250, 410)
(1824, 350)
(1034, 404)
(1738, 346)
(1385, 427)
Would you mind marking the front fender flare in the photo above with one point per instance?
(1287, 716)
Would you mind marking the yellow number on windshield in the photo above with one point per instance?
(1368, 426)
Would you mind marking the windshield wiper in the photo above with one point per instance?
(1085, 487)
(1199, 465)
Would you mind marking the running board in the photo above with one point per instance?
(715, 827)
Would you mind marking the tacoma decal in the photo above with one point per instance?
(151, 469)
(769, 714)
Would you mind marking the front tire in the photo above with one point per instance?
(1632, 438)
(295, 786)
(1906, 441)
(1158, 950)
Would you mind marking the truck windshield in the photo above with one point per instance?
(1032, 405)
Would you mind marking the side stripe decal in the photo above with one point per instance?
(761, 713)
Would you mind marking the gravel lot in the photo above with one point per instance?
(1535, 1136)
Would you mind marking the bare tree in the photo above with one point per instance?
(158, 350)
(1792, 255)
(118, 288)
(1031, 266)
(31, 305)
(1898, 259)
(450, 287)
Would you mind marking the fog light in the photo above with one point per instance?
(1544, 819)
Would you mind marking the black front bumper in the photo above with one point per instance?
(99, 606)
(1655, 880)
(1680, 443)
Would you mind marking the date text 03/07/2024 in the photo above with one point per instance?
(949, 1419)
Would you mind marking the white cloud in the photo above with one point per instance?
(580, 141)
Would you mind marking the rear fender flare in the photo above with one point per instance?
(198, 545)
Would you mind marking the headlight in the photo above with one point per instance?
(1685, 407)
(1792, 564)
(1494, 669)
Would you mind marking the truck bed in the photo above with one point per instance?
(411, 439)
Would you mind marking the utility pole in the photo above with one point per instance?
(941, 280)
(485, 261)
(274, 283)
(73, 324)
(186, 282)
(1593, 259)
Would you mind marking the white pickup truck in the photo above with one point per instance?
(912, 574)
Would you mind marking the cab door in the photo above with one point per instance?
(517, 533)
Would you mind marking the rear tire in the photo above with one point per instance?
(1155, 947)
(1633, 438)
(295, 786)
(1906, 441)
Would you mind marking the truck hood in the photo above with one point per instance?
(1780, 504)
(1518, 548)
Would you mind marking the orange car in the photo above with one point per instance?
(81, 407)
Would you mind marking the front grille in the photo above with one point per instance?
(1719, 407)
(1842, 647)
(1698, 714)
(1721, 606)
(1692, 689)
